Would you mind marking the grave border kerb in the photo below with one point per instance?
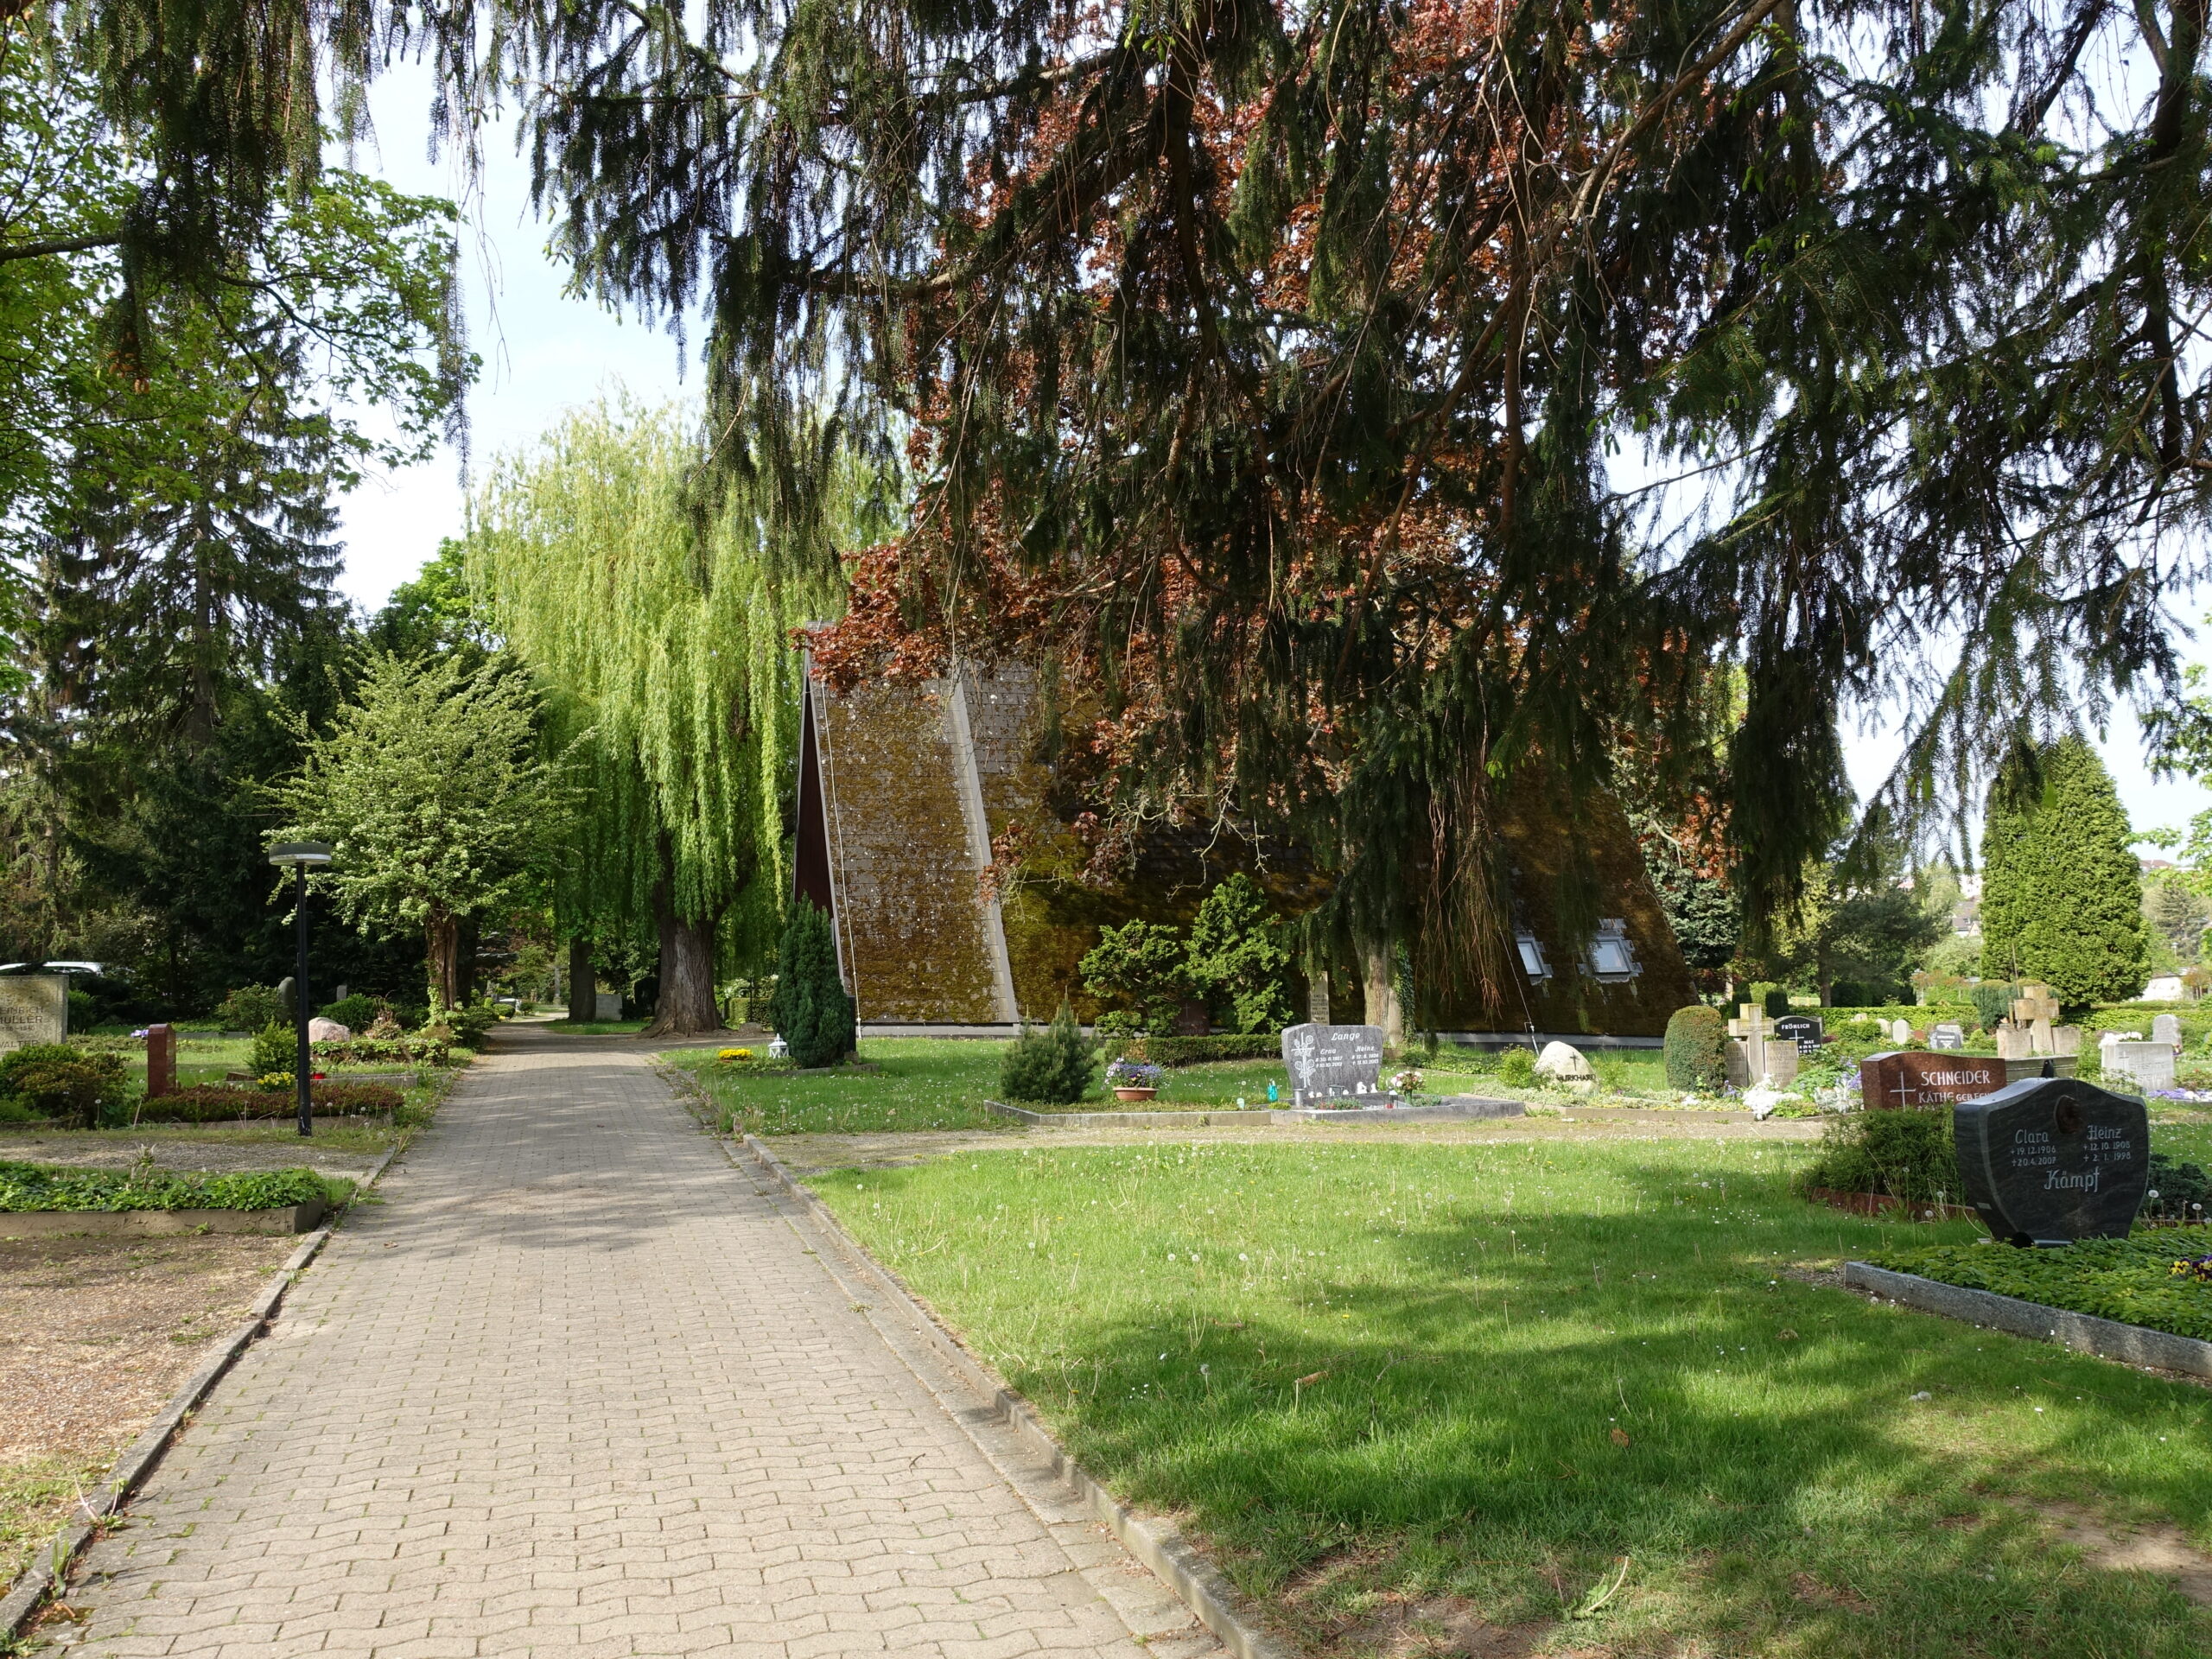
(1157, 1544)
(2084, 1333)
(32, 1587)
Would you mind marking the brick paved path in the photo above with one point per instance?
(577, 1388)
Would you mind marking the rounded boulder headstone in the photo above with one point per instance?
(1565, 1062)
(328, 1031)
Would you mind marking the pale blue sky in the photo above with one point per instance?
(544, 351)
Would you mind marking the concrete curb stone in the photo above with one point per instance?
(1157, 1543)
(2085, 1333)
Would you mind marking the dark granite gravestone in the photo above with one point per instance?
(1801, 1029)
(1912, 1077)
(1947, 1036)
(1333, 1063)
(2053, 1160)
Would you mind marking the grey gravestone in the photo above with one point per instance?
(606, 1006)
(1333, 1063)
(34, 1008)
(2053, 1160)
(1947, 1036)
(2147, 1065)
(2166, 1028)
(1801, 1029)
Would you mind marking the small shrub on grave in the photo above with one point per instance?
(1516, 1068)
(1142, 966)
(1991, 1003)
(1051, 1066)
(1236, 960)
(2183, 1190)
(812, 1011)
(1696, 1049)
(274, 1049)
(354, 1012)
(1908, 1154)
(252, 1007)
(66, 1085)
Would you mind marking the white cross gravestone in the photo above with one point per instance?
(1333, 1063)
(2166, 1028)
(34, 1008)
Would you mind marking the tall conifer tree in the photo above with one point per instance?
(2061, 890)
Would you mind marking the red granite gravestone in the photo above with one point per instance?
(161, 1061)
(1912, 1077)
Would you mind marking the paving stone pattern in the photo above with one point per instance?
(580, 1387)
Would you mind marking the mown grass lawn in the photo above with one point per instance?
(1474, 1380)
(920, 1082)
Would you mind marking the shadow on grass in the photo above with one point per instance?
(1497, 1406)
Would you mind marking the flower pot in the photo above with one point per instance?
(1135, 1094)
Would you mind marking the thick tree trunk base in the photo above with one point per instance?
(1383, 1006)
(687, 1006)
(583, 984)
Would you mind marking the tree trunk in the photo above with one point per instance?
(686, 1006)
(464, 972)
(1382, 1008)
(583, 983)
(441, 929)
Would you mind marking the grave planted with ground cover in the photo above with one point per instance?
(1469, 1382)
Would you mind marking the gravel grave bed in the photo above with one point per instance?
(95, 1335)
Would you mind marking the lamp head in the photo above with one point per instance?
(297, 854)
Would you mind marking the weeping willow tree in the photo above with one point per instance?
(658, 622)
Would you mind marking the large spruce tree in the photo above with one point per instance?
(2061, 890)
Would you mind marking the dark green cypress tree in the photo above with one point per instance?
(812, 1010)
(2061, 896)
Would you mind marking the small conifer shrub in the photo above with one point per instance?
(813, 1011)
(1050, 1066)
(1697, 1049)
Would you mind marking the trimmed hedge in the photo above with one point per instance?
(215, 1103)
(2131, 1279)
(1196, 1051)
(1696, 1049)
(1918, 1016)
(27, 1189)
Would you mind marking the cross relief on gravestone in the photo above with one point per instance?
(2053, 1159)
(1803, 1029)
(34, 1008)
(1947, 1036)
(1909, 1080)
(1333, 1063)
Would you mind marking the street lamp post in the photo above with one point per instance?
(302, 856)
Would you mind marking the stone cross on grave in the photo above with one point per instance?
(1754, 1031)
(2036, 1011)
